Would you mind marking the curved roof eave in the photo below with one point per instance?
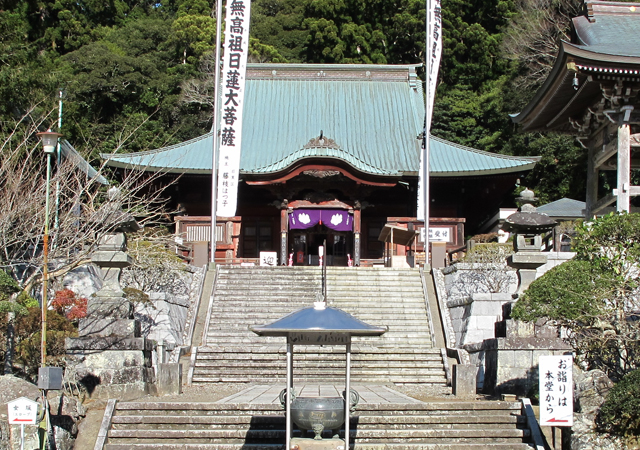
(543, 91)
(324, 153)
(69, 153)
(591, 52)
(170, 159)
(145, 160)
(557, 77)
(473, 173)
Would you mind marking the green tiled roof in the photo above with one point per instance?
(565, 207)
(369, 117)
(613, 32)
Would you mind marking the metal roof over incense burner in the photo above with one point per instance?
(318, 325)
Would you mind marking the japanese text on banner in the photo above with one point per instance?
(233, 86)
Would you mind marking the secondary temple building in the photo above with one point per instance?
(592, 93)
(331, 153)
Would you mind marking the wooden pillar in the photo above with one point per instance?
(357, 225)
(284, 232)
(592, 176)
(624, 168)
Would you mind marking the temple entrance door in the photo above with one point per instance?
(307, 242)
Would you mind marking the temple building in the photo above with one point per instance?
(592, 93)
(332, 153)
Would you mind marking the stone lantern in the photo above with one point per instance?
(528, 225)
(110, 356)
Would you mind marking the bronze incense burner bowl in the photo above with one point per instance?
(319, 413)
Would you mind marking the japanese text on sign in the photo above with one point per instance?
(556, 391)
(22, 411)
(437, 234)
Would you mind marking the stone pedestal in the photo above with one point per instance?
(463, 382)
(511, 363)
(527, 263)
(112, 366)
(110, 357)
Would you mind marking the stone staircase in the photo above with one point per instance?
(454, 425)
(247, 296)
(231, 353)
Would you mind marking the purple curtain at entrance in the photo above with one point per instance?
(300, 219)
(336, 219)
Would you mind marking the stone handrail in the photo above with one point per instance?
(532, 424)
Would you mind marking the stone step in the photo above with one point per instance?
(369, 435)
(415, 314)
(394, 363)
(327, 373)
(391, 341)
(370, 366)
(388, 345)
(246, 296)
(438, 380)
(356, 349)
(357, 446)
(440, 407)
(279, 420)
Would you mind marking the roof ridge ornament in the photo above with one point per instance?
(321, 142)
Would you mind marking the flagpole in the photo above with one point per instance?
(214, 129)
(427, 126)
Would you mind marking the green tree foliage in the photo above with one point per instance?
(359, 31)
(194, 30)
(561, 171)
(595, 296)
(22, 329)
(620, 412)
(28, 338)
(9, 287)
(278, 24)
(123, 65)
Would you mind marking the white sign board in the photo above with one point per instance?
(556, 391)
(437, 234)
(22, 411)
(268, 258)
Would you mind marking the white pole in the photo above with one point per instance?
(425, 147)
(347, 397)
(288, 399)
(58, 160)
(214, 129)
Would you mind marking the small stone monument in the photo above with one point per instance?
(110, 357)
(527, 225)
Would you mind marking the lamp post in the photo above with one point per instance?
(49, 142)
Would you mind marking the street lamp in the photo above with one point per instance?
(49, 142)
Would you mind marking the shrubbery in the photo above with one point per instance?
(595, 298)
(620, 413)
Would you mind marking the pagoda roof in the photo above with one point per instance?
(367, 117)
(603, 49)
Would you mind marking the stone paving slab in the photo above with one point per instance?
(269, 394)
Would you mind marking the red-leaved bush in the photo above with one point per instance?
(68, 304)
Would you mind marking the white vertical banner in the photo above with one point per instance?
(432, 63)
(435, 53)
(232, 86)
(556, 390)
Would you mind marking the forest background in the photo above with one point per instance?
(137, 74)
